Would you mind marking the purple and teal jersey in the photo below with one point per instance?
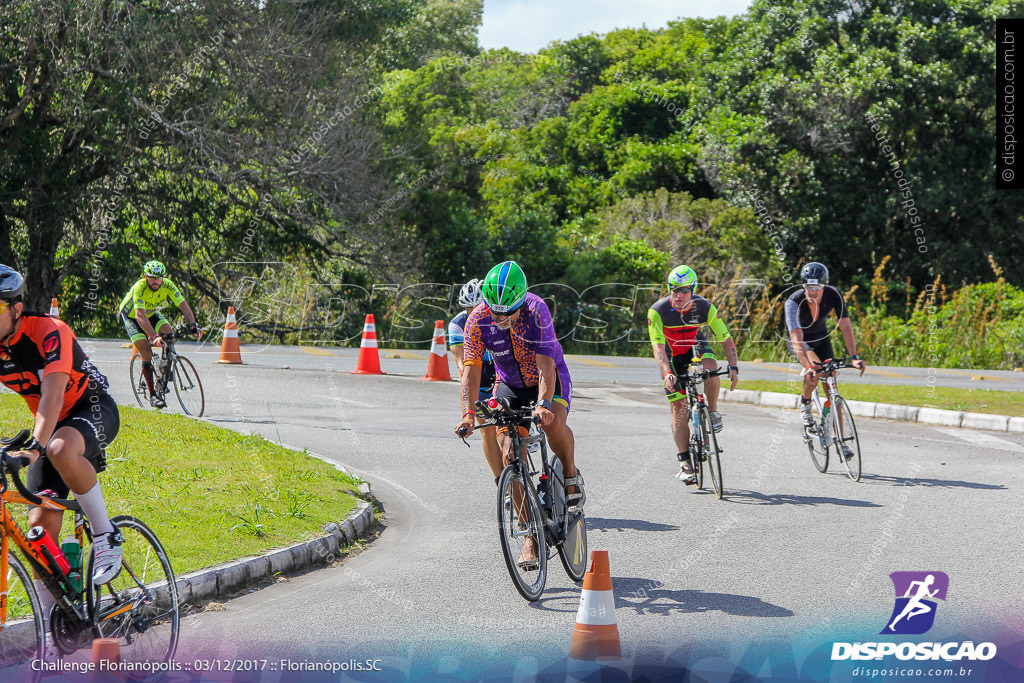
(514, 351)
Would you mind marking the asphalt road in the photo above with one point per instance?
(790, 555)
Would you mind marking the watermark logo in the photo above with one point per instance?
(917, 594)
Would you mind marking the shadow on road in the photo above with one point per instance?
(638, 595)
(919, 481)
(757, 498)
(601, 524)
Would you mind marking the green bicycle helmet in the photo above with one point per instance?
(154, 269)
(505, 288)
(682, 276)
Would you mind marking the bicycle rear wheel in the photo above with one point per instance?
(516, 523)
(697, 459)
(711, 451)
(139, 607)
(139, 386)
(188, 387)
(816, 446)
(22, 639)
(573, 550)
(845, 434)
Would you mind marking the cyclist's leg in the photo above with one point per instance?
(678, 403)
(141, 344)
(492, 451)
(709, 360)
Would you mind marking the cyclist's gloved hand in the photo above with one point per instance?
(860, 365)
(197, 331)
(156, 341)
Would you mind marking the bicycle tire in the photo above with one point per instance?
(509, 532)
(139, 386)
(697, 459)
(187, 383)
(22, 640)
(844, 430)
(148, 632)
(711, 451)
(812, 437)
(573, 551)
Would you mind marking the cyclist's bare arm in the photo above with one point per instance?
(187, 312)
(733, 358)
(851, 345)
(457, 352)
(545, 387)
(807, 357)
(48, 413)
(661, 358)
(470, 391)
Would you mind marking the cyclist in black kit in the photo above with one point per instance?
(807, 312)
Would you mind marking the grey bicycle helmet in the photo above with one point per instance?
(12, 284)
(814, 273)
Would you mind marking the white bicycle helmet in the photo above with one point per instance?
(471, 294)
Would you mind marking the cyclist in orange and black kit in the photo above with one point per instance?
(75, 419)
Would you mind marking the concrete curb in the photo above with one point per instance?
(223, 579)
(889, 411)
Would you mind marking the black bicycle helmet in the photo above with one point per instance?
(12, 284)
(814, 273)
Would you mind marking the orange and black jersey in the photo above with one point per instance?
(44, 345)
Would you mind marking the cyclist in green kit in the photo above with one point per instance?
(140, 313)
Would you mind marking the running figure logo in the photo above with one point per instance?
(914, 612)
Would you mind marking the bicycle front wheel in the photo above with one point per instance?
(139, 386)
(573, 550)
(139, 607)
(711, 451)
(519, 518)
(22, 637)
(845, 434)
(697, 458)
(188, 387)
(816, 445)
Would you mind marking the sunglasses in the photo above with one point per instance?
(681, 290)
(4, 305)
(813, 288)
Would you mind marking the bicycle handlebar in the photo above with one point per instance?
(501, 415)
(11, 465)
(830, 364)
(705, 375)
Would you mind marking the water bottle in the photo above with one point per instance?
(824, 419)
(826, 409)
(542, 492)
(44, 545)
(73, 554)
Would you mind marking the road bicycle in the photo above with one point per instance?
(832, 425)
(139, 607)
(170, 368)
(703, 442)
(531, 503)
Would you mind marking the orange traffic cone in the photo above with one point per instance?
(230, 351)
(369, 361)
(54, 312)
(437, 366)
(106, 654)
(596, 635)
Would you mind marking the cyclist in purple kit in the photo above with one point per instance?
(515, 327)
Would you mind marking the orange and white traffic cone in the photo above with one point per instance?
(437, 366)
(54, 311)
(596, 636)
(230, 351)
(369, 360)
(106, 655)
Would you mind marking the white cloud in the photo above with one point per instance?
(528, 25)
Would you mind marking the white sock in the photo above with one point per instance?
(95, 510)
(46, 601)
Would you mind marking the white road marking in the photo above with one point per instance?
(981, 439)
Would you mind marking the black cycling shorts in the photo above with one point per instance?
(522, 398)
(822, 347)
(135, 333)
(98, 422)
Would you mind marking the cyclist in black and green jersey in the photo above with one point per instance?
(674, 324)
(141, 316)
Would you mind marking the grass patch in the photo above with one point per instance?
(946, 398)
(210, 494)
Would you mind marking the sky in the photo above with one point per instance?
(528, 25)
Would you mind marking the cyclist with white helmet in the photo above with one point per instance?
(807, 312)
(140, 313)
(674, 324)
(470, 296)
(516, 327)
